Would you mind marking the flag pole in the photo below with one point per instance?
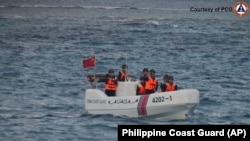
(95, 80)
(126, 62)
(126, 78)
(95, 74)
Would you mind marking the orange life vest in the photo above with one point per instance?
(111, 85)
(171, 87)
(141, 89)
(123, 75)
(151, 84)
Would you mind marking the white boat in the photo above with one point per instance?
(174, 105)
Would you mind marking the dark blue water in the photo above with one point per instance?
(42, 45)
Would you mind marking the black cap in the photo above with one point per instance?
(152, 71)
(124, 66)
(145, 70)
(165, 76)
(170, 77)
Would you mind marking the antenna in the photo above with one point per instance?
(126, 55)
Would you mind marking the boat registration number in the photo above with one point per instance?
(161, 99)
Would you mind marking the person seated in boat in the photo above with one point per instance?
(140, 89)
(170, 85)
(123, 74)
(164, 83)
(151, 83)
(111, 83)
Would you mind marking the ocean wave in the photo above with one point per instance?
(90, 7)
(43, 83)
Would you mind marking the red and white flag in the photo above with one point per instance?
(89, 63)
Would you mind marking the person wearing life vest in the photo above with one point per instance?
(171, 86)
(145, 73)
(140, 89)
(164, 83)
(151, 84)
(111, 83)
(123, 74)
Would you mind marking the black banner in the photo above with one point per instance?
(163, 132)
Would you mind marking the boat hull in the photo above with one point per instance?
(175, 105)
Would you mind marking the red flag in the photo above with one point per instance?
(89, 63)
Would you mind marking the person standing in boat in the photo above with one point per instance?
(140, 89)
(145, 73)
(123, 74)
(111, 83)
(151, 84)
